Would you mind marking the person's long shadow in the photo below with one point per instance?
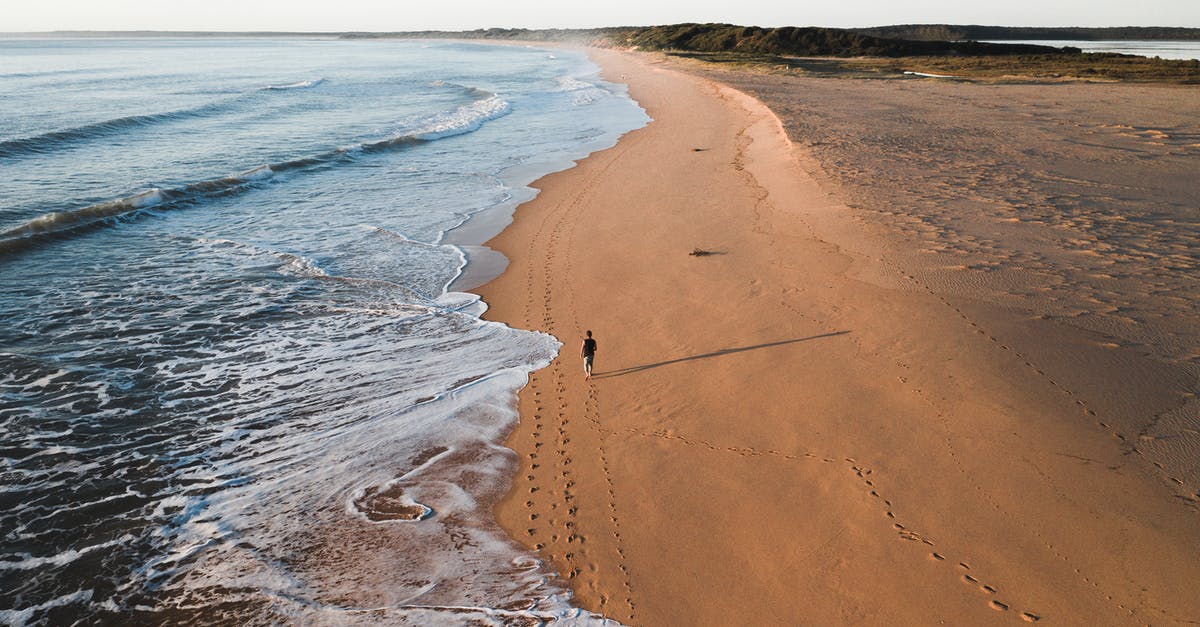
(727, 351)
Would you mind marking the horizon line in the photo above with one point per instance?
(489, 28)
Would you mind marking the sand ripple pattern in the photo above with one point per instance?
(1076, 207)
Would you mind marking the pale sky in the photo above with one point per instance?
(401, 15)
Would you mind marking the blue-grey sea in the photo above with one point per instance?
(235, 383)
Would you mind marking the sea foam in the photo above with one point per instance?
(243, 380)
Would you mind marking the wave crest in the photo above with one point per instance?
(47, 142)
(464, 119)
(582, 92)
(298, 85)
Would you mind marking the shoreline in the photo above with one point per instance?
(792, 429)
(485, 264)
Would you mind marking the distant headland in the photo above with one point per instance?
(884, 51)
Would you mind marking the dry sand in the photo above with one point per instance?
(823, 423)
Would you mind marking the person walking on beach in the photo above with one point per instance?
(587, 351)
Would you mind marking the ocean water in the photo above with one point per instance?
(235, 385)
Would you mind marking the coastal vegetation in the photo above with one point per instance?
(806, 41)
(1074, 67)
(1094, 67)
(949, 32)
(885, 52)
(846, 53)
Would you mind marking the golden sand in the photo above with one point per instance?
(798, 428)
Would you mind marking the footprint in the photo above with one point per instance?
(1030, 618)
(936, 556)
(998, 606)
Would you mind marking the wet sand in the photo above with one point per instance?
(901, 391)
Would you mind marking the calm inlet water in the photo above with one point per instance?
(1161, 49)
(234, 385)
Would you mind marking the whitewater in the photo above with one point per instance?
(238, 380)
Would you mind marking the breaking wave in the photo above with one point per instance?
(236, 384)
(299, 85)
(464, 119)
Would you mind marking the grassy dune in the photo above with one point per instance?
(834, 52)
(808, 41)
(1094, 67)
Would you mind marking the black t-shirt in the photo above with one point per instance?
(589, 347)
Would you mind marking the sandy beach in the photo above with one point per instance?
(939, 366)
